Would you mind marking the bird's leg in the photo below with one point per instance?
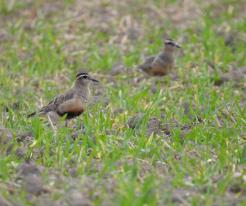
(159, 80)
(82, 127)
(52, 125)
(66, 123)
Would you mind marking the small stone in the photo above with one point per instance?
(154, 126)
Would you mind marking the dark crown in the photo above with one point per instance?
(81, 73)
(170, 42)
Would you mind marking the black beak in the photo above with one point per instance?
(178, 46)
(94, 80)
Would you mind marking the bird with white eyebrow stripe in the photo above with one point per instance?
(163, 63)
(73, 102)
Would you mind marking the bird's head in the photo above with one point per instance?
(171, 45)
(83, 78)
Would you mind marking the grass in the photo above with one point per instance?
(42, 49)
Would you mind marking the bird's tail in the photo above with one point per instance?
(31, 115)
(143, 68)
(139, 68)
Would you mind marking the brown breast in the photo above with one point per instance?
(71, 108)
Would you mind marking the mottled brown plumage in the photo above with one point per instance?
(163, 63)
(72, 103)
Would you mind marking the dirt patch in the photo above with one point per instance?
(77, 131)
(191, 111)
(45, 199)
(26, 138)
(6, 135)
(154, 126)
(235, 75)
(118, 69)
(180, 196)
(12, 107)
(157, 127)
(29, 168)
(21, 152)
(173, 124)
(76, 198)
(29, 177)
(4, 202)
(6, 140)
(33, 184)
(237, 187)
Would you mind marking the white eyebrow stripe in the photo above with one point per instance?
(82, 75)
(169, 41)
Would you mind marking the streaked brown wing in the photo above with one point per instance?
(147, 64)
(53, 105)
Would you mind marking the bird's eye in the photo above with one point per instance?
(85, 77)
(171, 43)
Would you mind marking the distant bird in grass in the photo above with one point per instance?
(163, 63)
(72, 103)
